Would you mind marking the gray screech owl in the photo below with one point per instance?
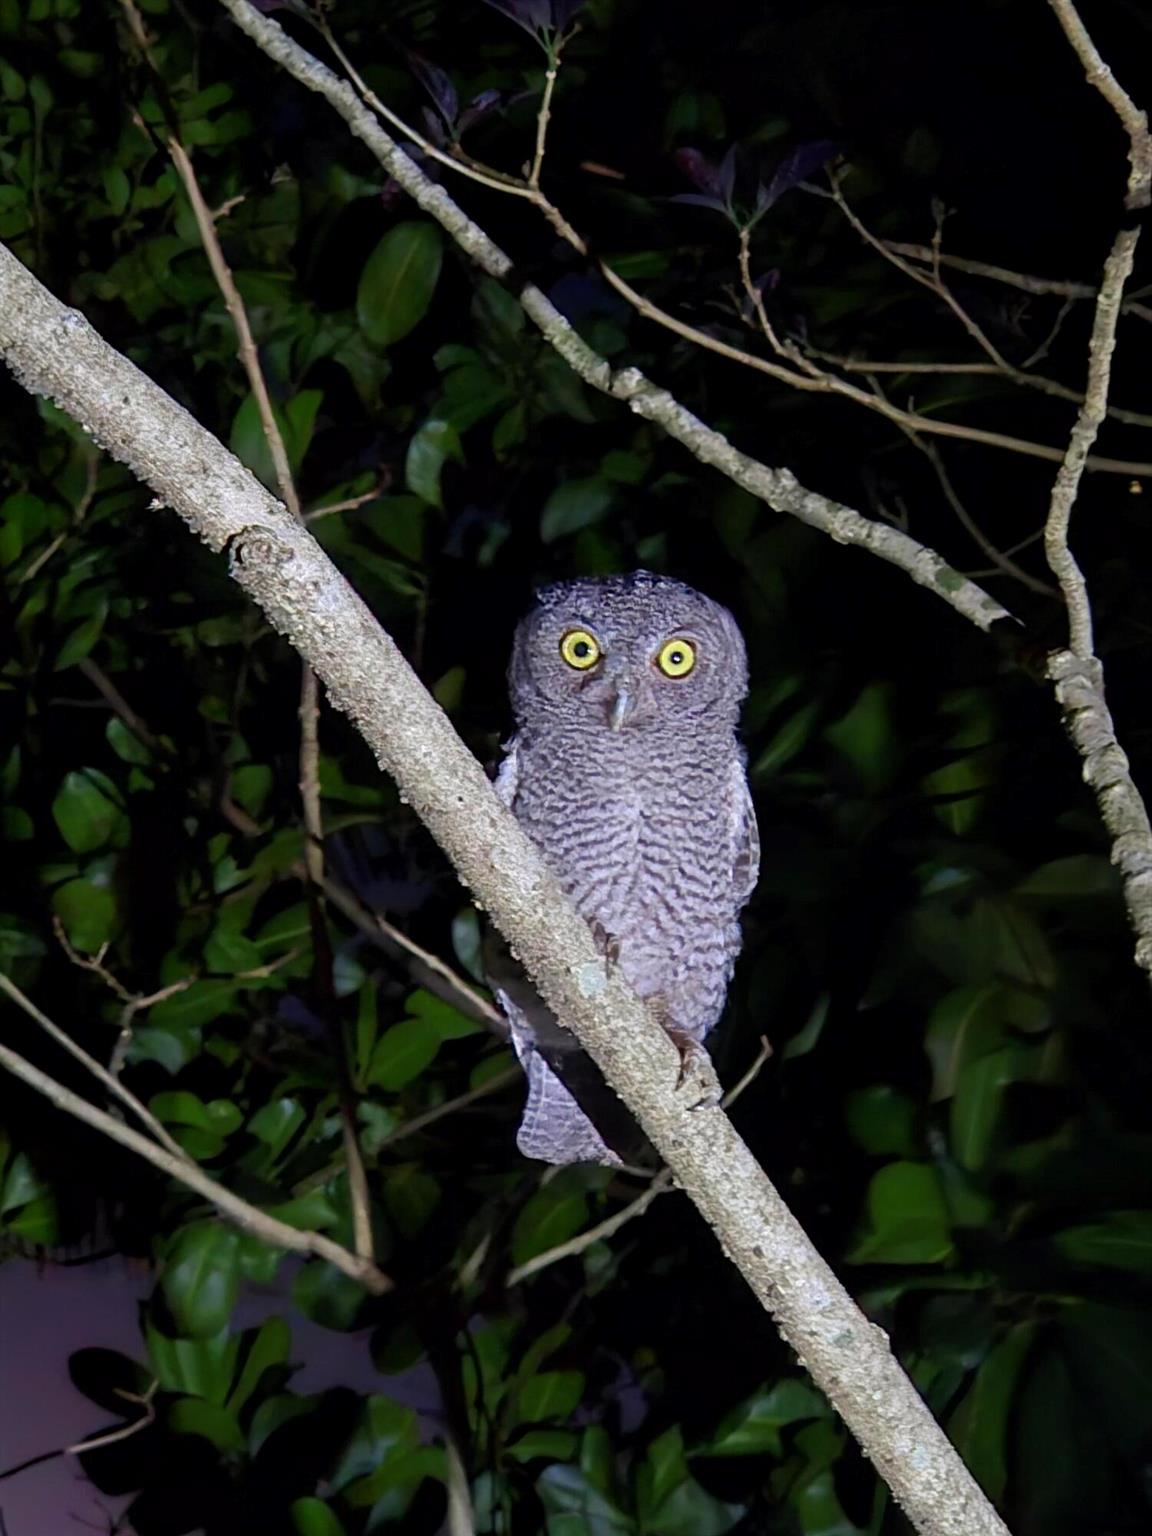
(626, 772)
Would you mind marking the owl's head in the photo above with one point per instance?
(628, 653)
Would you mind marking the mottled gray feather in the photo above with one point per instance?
(649, 826)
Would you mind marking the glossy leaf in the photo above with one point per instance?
(398, 281)
(201, 1277)
(87, 810)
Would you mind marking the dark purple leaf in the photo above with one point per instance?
(563, 12)
(477, 109)
(533, 15)
(438, 86)
(434, 128)
(793, 169)
(715, 181)
(698, 200)
(297, 7)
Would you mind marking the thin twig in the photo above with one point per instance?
(97, 1069)
(124, 1431)
(309, 709)
(934, 283)
(271, 1230)
(544, 114)
(91, 472)
(776, 487)
(1000, 559)
(429, 970)
(127, 1019)
(661, 1184)
(807, 378)
(349, 504)
(100, 679)
(484, 1090)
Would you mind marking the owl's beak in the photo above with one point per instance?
(623, 706)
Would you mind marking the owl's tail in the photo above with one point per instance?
(554, 1127)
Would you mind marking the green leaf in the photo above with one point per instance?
(976, 1106)
(448, 1022)
(575, 1507)
(180, 1108)
(1123, 1240)
(202, 1367)
(77, 645)
(428, 451)
(979, 1427)
(882, 1120)
(908, 1218)
(201, 1277)
(965, 1025)
(276, 1122)
(312, 1517)
(792, 737)
(328, 1297)
(553, 1214)
(402, 1054)
(398, 281)
(754, 1427)
(865, 738)
(194, 1416)
(550, 1395)
(87, 810)
(669, 1500)
(296, 422)
(552, 1444)
(125, 745)
(88, 913)
(573, 505)
(1082, 876)
(411, 1196)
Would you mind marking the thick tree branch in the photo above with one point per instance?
(776, 487)
(55, 352)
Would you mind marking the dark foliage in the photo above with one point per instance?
(957, 1106)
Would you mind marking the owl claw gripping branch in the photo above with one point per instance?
(626, 772)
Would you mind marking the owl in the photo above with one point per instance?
(626, 772)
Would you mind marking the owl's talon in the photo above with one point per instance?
(697, 1073)
(607, 943)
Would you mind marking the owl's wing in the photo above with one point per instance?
(507, 779)
(746, 838)
(553, 1128)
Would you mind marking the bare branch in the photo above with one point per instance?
(998, 362)
(1077, 672)
(309, 708)
(427, 969)
(278, 1233)
(660, 1185)
(1133, 120)
(777, 487)
(98, 1071)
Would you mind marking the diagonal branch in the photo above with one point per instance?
(778, 488)
(269, 1228)
(1077, 672)
(53, 350)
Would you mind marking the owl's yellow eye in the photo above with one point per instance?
(579, 649)
(676, 658)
